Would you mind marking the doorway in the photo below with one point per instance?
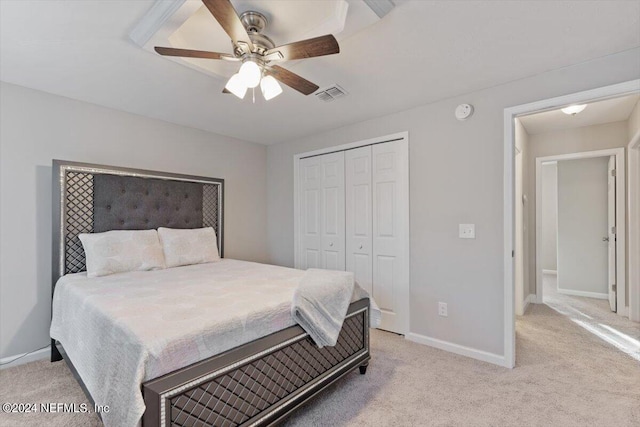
(577, 233)
(531, 292)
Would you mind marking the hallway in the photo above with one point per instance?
(594, 316)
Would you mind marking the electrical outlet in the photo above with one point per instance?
(467, 231)
(442, 309)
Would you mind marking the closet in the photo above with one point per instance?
(353, 214)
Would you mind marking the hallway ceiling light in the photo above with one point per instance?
(572, 110)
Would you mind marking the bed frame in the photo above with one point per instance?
(256, 384)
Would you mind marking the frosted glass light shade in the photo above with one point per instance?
(250, 73)
(572, 110)
(270, 87)
(236, 86)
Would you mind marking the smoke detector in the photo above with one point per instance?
(464, 111)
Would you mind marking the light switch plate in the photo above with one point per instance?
(467, 231)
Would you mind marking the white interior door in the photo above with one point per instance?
(359, 226)
(390, 183)
(333, 211)
(611, 215)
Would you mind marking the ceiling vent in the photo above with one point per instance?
(330, 93)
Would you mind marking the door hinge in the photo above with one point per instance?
(614, 230)
(513, 254)
(613, 172)
(614, 287)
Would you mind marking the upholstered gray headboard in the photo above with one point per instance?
(90, 198)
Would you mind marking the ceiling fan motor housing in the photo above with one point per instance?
(255, 23)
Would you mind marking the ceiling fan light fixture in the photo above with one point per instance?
(572, 110)
(250, 73)
(236, 86)
(256, 51)
(270, 87)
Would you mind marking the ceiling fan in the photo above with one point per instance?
(257, 52)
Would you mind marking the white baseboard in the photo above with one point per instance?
(583, 293)
(31, 357)
(484, 356)
(530, 299)
(550, 272)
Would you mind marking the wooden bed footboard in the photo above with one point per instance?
(258, 383)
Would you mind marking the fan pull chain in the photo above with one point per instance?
(254, 94)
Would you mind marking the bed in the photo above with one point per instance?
(256, 377)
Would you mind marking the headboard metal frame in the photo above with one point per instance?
(73, 207)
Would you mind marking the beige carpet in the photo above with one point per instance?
(567, 375)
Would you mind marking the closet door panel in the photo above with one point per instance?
(390, 231)
(333, 211)
(310, 199)
(359, 215)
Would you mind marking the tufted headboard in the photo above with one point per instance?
(90, 198)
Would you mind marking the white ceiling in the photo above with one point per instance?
(596, 113)
(420, 52)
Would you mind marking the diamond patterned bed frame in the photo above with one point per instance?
(256, 384)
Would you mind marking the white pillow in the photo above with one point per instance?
(188, 246)
(119, 251)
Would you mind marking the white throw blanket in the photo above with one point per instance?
(321, 301)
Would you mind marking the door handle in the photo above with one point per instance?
(605, 239)
(360, 247)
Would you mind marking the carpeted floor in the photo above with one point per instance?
(577, 365)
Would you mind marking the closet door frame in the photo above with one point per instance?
(401, 136)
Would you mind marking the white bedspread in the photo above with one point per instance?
(124, 329)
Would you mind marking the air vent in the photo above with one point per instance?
(330, 93)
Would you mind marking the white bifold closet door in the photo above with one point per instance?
(390, 179)
(353, 215)
(322, 224)
(359, 216)
(377, 194)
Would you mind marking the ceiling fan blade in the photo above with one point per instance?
(292, 80)
(188, 53)
(230, 22)
(318, 46)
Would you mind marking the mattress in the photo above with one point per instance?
(124, 329)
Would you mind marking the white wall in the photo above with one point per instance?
(38, 127)
(587, 138)
(550, 216)
(456, 173)
(582, 223)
